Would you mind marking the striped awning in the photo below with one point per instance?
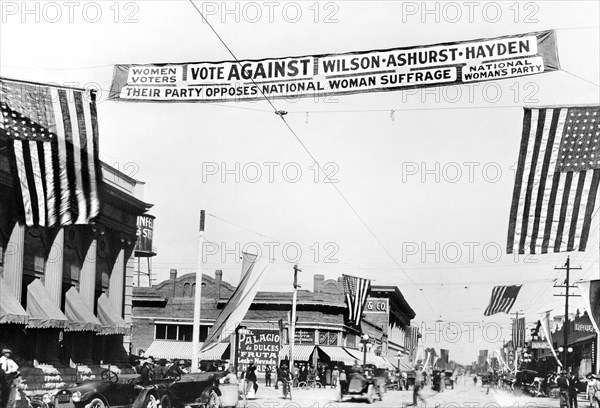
(302, 352)
(43, 312)
(173, 349)
(111, 320)
(11, 310)
(372, 359)
(81, 318)
(337, 354)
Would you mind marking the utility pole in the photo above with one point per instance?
(198, 298)
(567, 268)
(293, 322)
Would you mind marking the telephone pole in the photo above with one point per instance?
(566, 327)
(293, 322)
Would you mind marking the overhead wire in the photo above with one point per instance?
(281, 115)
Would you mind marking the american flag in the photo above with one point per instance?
(556, 181)
(503, 299)
(54, 151)
(356, 290)
(518, 332)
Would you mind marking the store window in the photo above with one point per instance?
(35, 251)
(328, 338)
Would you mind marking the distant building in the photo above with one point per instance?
(163, 314)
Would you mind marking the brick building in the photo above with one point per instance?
(64, 287)
(163, 315)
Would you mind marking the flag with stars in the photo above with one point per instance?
(556, 181)
(53, 134)
(356, 290)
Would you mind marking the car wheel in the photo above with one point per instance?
(150, 402)
(165, 402)
(213, 400)
(97, 403)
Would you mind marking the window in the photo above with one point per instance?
(179, 332)
(328, 338)
(34, 254)
(186, 289)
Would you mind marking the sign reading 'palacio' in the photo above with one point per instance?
(339, 74)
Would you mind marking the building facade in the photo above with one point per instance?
(64, 287)
(163, 315)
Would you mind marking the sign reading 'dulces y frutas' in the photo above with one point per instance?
(261, 346)
(338, 74)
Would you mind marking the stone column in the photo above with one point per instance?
(53, 268)
(87, 277)
(13, 260)
(116, 282)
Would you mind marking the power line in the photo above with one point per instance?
(281, 115)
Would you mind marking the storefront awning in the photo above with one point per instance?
(173, 349)
(373, 359)
(81, 318)
(111, 320)
(11, 310)
(337, 354)
(43, 312)
(170, 349)
(215, 353)
(302, 352)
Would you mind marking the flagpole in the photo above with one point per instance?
(293, 322)
(198, 298)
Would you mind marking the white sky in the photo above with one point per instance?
(169, 145)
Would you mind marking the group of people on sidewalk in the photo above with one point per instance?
(569, 385)
(11, 383)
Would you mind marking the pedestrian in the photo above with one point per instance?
(295, 375)
(161, 369)
(563, 385)
(328, 376)
(593, 391)
(343, 378)
(250, 378)
(573, 389)
(231, 377)
(418, 384)
(304, 373)
(146, 373)
(335, 374)
(10, 371)
(268, 371)
(475, 380)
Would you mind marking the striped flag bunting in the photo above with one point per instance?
(356, 290)
(518, 332)
(503, 299)
(54, 151)
(556, 181)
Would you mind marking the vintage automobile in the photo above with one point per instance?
(114, 390)
(365, 384)
(448, 378)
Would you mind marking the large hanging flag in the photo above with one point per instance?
(54, 151)
(444, 358)
(556, 181)
(545, 326)
(518, 332)
(236, 308)
(356, 290)
(502, 300)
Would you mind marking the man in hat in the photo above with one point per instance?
(418, 384)
(592, 390)
(563, 385)
(7, 363)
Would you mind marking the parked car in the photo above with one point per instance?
(448, 379)
(127, 391)
(365, 384)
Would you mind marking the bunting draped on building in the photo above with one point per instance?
(502, 300)
(356, 290)
(590, 293)
(54, 151)
(556, 181)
